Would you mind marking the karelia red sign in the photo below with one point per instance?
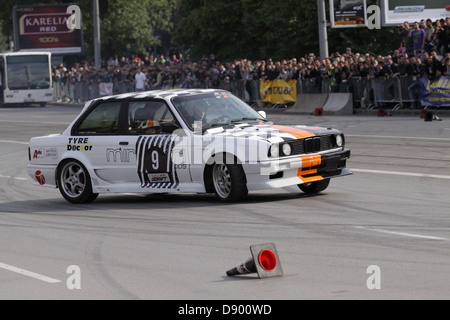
(45, 28)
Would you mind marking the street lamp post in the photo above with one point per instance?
(323, 37)
(97, 46)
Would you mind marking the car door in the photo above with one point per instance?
(149, 134)
(95, 140)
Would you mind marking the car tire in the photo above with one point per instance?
(229, 182)
(314, 187)
(74, 183)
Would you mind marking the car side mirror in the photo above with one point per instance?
(263, 114)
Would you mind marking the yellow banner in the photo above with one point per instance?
(279, 91)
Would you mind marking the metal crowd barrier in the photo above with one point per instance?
(395, 93)
(82, 91)
(392, 93)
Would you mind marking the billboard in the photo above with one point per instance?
(46, 28)
(348, 13)
(395, 12)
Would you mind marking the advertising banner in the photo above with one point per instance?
(279, 91)
(348, 13)
(435, 93)
(46, 28)
(396, 12)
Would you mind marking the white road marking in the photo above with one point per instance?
(15, 142)
(397, 137)
(15, 178)
(399, 173)
(28, 273)
(404, 234)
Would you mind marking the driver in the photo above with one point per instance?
(195, 114)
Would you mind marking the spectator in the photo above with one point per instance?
(442, 36)
(429, 31)
(402, 50)
(418, 38)
(140, 80)
(403, 31)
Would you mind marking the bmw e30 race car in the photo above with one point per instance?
(192, 141)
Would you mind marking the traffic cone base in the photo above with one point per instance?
(264, 261)
(318, 112)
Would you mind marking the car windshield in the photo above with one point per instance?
(215, 109)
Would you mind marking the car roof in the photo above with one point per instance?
(158, 94)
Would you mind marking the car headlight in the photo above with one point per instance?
(339, 140)
(275, 151)
(287, 150)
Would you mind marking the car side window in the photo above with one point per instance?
(148, 117)
(102, 120)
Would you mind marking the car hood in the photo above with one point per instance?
(269, 132)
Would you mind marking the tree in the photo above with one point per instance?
(259, 29)
(3, 42)
(128, 26)
(211, 27)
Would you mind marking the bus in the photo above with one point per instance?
(25, 78)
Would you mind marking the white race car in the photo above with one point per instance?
(194, 141)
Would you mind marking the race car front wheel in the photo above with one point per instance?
(314, 187)
(74, 182)
(229, 182)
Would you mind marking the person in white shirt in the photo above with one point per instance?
(139, 81)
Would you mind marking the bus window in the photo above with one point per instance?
(1, 79)
(28, 72)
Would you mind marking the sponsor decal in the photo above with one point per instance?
(40, 177)
(38, 154)
(159, 177)
(51, 153)
(43, 153)
(120, 155)
(79, 144)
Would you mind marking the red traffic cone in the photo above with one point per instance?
(318, 112)
(423, 113)
(264, 261)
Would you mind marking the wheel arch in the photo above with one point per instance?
(227, 158)
(81, 160)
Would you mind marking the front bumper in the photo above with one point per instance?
(297, 170)
(326, 166)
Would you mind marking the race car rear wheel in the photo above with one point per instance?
(229, 182)
(74, 182)
(314, 187)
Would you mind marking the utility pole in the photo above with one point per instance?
(97, 46)
(323, 37)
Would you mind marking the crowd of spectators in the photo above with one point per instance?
(423, 50)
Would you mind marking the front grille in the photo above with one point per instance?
(313, 144)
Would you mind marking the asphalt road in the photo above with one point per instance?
(393, 213)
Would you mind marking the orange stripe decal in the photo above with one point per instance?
(297, 133)
(308, 163)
